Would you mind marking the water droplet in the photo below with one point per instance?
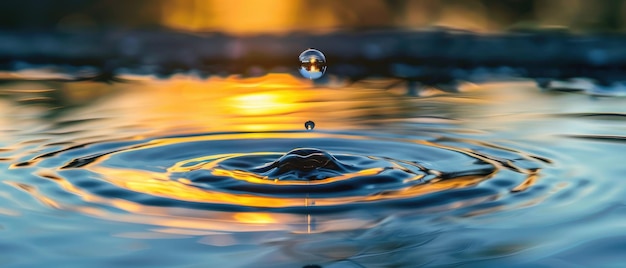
(309, 125)
(312, 63)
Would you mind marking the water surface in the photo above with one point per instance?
(188, 172)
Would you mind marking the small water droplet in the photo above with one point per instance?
(309, 125)
(312, 63)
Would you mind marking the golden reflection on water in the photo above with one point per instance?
(269, 103)
(255, 217)
(265, 103)
(157, 184)
(184, 104)
(144, 108)
(160, 185)
(154, 184)
(190, 221)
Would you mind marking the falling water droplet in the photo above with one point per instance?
(312, 63)
(309, 125)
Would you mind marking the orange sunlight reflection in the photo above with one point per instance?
(158, 185)
(224, 109)
(254, 217)
(268, 103)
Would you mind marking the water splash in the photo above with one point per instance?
(203, 172)
(306, 163)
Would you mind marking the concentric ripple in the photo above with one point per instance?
(185, 172)
(296, 172)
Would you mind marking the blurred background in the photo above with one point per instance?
(541, 40)
(277, 16)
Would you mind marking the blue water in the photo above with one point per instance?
(220, 172)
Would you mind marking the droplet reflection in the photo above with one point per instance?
(309, 125)
(312, 63)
